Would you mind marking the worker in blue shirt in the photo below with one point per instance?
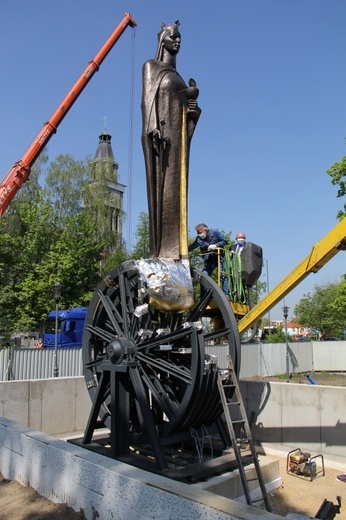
(208, 240)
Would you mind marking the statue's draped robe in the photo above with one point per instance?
(163, 103)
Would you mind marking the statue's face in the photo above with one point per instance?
(171, 41)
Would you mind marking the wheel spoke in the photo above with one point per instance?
(165, 399)
(123, 298)
(169, 368)
(217, 334)
(101, 333)
(165, 339)
(112, 313)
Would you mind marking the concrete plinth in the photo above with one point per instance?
(105, 488)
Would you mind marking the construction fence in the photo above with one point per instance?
(257, 359)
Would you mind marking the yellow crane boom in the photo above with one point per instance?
(320, 254)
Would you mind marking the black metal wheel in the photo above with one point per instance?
(161, 356)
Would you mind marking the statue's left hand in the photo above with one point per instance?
(193, 110)
(156, 135)
(192, 104)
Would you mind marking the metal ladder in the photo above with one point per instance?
(232, 407)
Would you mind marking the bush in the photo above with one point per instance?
(278, 337)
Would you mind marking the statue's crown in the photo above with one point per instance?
(165, 27)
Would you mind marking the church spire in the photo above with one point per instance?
(104, 169)
(104, 152)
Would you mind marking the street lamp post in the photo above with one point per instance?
(285, 310)
(57, 295)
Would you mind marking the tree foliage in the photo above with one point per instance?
(141, 247)
(338, 174)
(338, 306)
(64, 185)
(278, 337)
(324, 309)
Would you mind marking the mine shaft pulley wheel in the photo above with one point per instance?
(148, 373)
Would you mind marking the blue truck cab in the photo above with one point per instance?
(70, 328)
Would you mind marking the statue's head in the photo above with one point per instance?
(166, 30)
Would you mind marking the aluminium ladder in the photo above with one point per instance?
(235, 415)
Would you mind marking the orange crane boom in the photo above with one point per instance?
(20, 171)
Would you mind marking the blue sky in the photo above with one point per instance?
(272, 80)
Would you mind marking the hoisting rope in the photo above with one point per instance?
(130, 151)
(233, 270)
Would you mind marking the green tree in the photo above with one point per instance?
(32, 185)
(338, 307)
(23, 230)
(72, 260)
(141, 248)
(32, 246)
(319, 309)
(64, 185)
(338, 174)
(278, 337)
(113, 260)
(46, 239)
(20, 256)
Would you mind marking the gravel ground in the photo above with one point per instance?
(24, 503)
(320, 378)
(301, 495)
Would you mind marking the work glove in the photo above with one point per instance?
(212, 247)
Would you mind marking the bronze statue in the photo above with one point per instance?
(170, 114)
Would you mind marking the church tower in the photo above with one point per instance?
(104, 168)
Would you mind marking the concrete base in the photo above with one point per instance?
(283, 415)
(105, 488)
(229, 484)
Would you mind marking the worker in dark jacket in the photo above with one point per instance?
(208, 240)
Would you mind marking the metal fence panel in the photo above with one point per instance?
(220, 351)
(4, 364)
(17, 364)
(267, 359)
(329, 355)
